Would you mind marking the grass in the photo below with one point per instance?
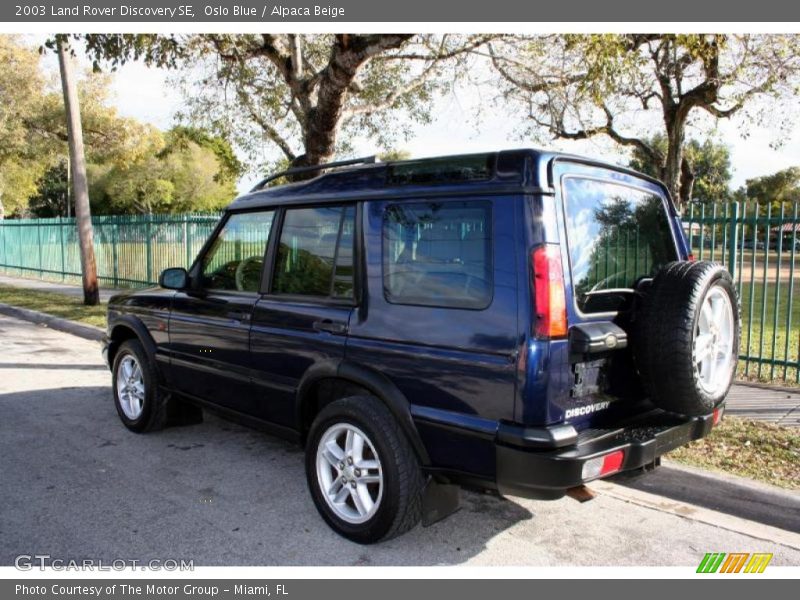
(752, 449)
(779, 335)
(58, 305)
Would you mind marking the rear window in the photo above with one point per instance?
(616, 235)
(438, 254)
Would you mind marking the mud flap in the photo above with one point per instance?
(181, 413)
(439, 501)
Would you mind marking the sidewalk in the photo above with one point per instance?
(778, 406)
(51, 286)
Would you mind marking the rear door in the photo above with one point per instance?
(303, 314)
(618, 232)
(441, 319)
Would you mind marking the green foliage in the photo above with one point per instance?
(180, 176)
(301, 96)
(393, 155)
(632, 87)
(783, 186)
(117, 48)
(709, 160)
(230, 167)
(52, 192)
(132, 167)
(20, 152)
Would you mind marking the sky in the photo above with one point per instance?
(145, 94)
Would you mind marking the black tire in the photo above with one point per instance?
(400, 506)
(157, 404)
(665, 333)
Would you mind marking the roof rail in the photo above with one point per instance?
(295, 170)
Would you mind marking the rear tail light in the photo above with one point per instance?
(549, 294)
(690, 257)
(603, 465)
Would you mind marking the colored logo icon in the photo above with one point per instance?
(735, 562)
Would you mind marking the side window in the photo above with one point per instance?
(315, 252)
(438, 254)
(236, 257)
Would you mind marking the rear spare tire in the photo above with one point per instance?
(687, 337)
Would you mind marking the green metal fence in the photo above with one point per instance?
(758, 243)
(760, 246)
(130, 251)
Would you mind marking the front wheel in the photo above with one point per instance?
(142, 406)
(362, 473)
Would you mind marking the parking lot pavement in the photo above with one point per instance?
(74, 483)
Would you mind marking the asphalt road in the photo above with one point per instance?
(74, 483)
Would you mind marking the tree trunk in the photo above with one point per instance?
(687, 182)
(91, 292)
(674, 159)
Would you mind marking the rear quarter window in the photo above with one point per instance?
(438, 254)
(616, 234)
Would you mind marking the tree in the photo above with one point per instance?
(711, 163)
(783, 186)
(176, 175)
(108, 136)
(20, 96)
(80, 187)
(579, 86)
(299, 93)
(230, 167)
(52, 194)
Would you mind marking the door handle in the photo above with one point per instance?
(239, 315)
(331, 326)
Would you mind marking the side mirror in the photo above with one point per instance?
(176, 278)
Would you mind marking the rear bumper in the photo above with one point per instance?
(548, 474)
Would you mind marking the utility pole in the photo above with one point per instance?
(80, 188)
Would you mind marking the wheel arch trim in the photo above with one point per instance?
(376, 383)
(138, 328)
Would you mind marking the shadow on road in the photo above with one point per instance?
(77, 484)
(779, 508)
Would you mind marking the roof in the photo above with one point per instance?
(504, 172)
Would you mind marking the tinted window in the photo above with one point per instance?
(617, 235)
(438, 254)
(236, 257)
(315, 253)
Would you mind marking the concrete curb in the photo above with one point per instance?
(752, 484)
(88, 332)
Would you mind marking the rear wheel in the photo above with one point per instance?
(687, 338)
(362, 473)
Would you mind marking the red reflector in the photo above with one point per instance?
(548, 292)
(690, 258)
(717, 415)
(612, 462)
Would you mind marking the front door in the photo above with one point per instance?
(209, 325)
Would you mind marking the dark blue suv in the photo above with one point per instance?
(522, 321)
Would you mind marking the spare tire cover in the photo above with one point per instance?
(686, 339)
